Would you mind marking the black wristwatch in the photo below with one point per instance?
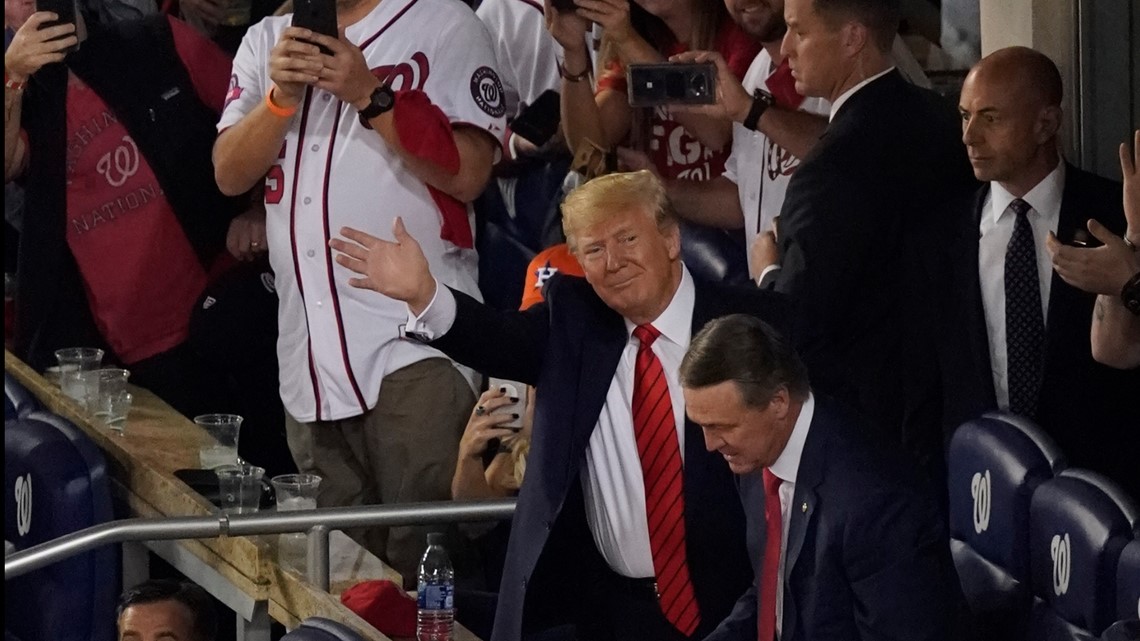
(381, 100)
(761, 100)
(1131, 294)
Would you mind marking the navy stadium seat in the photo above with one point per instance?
(995, 463)
(320, 629)
(1128, 582)
(18, 401)
(56, 484)
(1080, 523)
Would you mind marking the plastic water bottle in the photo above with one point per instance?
(436, 593)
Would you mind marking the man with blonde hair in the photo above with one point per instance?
(612, 534)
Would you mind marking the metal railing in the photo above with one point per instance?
(317, 523)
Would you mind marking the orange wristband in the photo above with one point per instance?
(276, 110)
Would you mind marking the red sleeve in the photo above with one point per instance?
(208, 65)
(737, 47)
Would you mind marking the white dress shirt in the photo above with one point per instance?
(612, 485)
(995, 229)
(786, 468)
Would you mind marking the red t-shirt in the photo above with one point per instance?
(674, 152)
(140, 272)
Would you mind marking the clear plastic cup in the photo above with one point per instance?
(110, 382)
(221, 448)
(295, 492)
(73, 362)
(118, 407)
(240, 488)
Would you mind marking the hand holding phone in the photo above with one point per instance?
(318, 16)
(67, 12)
(671, 83)
(517, 407)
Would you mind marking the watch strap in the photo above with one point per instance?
(1130, 295)
(761, 100)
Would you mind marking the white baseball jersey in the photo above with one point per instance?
(760, 168)
(337, 342)
(528, 55)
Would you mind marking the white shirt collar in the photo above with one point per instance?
(851, 92)
(1044, 198)
(787, 465)
(676, 322)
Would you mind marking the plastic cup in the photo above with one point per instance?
(240, 487)
(295, 492)
(221, 448)
(109, 382)
(73, 362)
(118, 407)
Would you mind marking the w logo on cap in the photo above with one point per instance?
(23, 496)
(980, 490)
(1062, 563)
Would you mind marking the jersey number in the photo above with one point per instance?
(275, 180)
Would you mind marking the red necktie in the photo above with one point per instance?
(656, 430)
(770, 571)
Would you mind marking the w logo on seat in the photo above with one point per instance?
(980, 490)
(23, 504)
(1062, 562)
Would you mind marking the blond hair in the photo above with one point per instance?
(592, 202)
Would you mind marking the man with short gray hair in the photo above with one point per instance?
(846, 543)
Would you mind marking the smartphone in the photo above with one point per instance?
(671, 83)
(513, 389)
(67, 11)
(538, 121)
(318, 16)
(564, 6)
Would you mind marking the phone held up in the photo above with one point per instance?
(671, 83)
(318, 16)
(538, 121)
(67, 10)
(517, 392)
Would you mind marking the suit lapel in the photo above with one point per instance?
(802, 510)
(602, 343)
(1063, 298)
(978, 341)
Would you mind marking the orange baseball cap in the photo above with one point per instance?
(545, 264)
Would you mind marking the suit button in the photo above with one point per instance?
(524, 584)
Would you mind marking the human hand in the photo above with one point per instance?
(294, 63)
(245, 238)
(1097, 270)
(208, 11)
(612, 15)
(568, 29)
(345, 74)
(32, 47)
(764, 253)
(732, 101)
(397, 269)
(1130, 167)
(634, 160)
(483, 424)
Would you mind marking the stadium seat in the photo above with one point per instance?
(320, 629)
(995, 463)
(56, 484)
(1080, 522)
(1128, 582)
(18, 401)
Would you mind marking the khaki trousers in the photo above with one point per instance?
(402, 451)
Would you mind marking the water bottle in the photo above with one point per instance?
(436, 592)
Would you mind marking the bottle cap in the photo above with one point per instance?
(435, 538)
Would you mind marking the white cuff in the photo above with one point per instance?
(436, 319)
(767, 270)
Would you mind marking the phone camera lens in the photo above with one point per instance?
(697, 85)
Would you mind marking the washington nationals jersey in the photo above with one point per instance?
(527, 53)
(760, 168)
(337, 342)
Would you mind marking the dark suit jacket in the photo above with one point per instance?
(867, 553)
(859, 223)
(1088, 408)
(569, 347)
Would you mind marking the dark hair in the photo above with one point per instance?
(881, 17)
(195, 599)
(746, 350)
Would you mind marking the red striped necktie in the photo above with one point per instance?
(770, 570)
(656, 430)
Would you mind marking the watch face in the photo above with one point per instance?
(383, 97)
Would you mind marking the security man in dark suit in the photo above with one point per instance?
(1023, 332)
(626, 527)
(863, 216)
(847, 545)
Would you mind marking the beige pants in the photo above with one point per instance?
(402, 451)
